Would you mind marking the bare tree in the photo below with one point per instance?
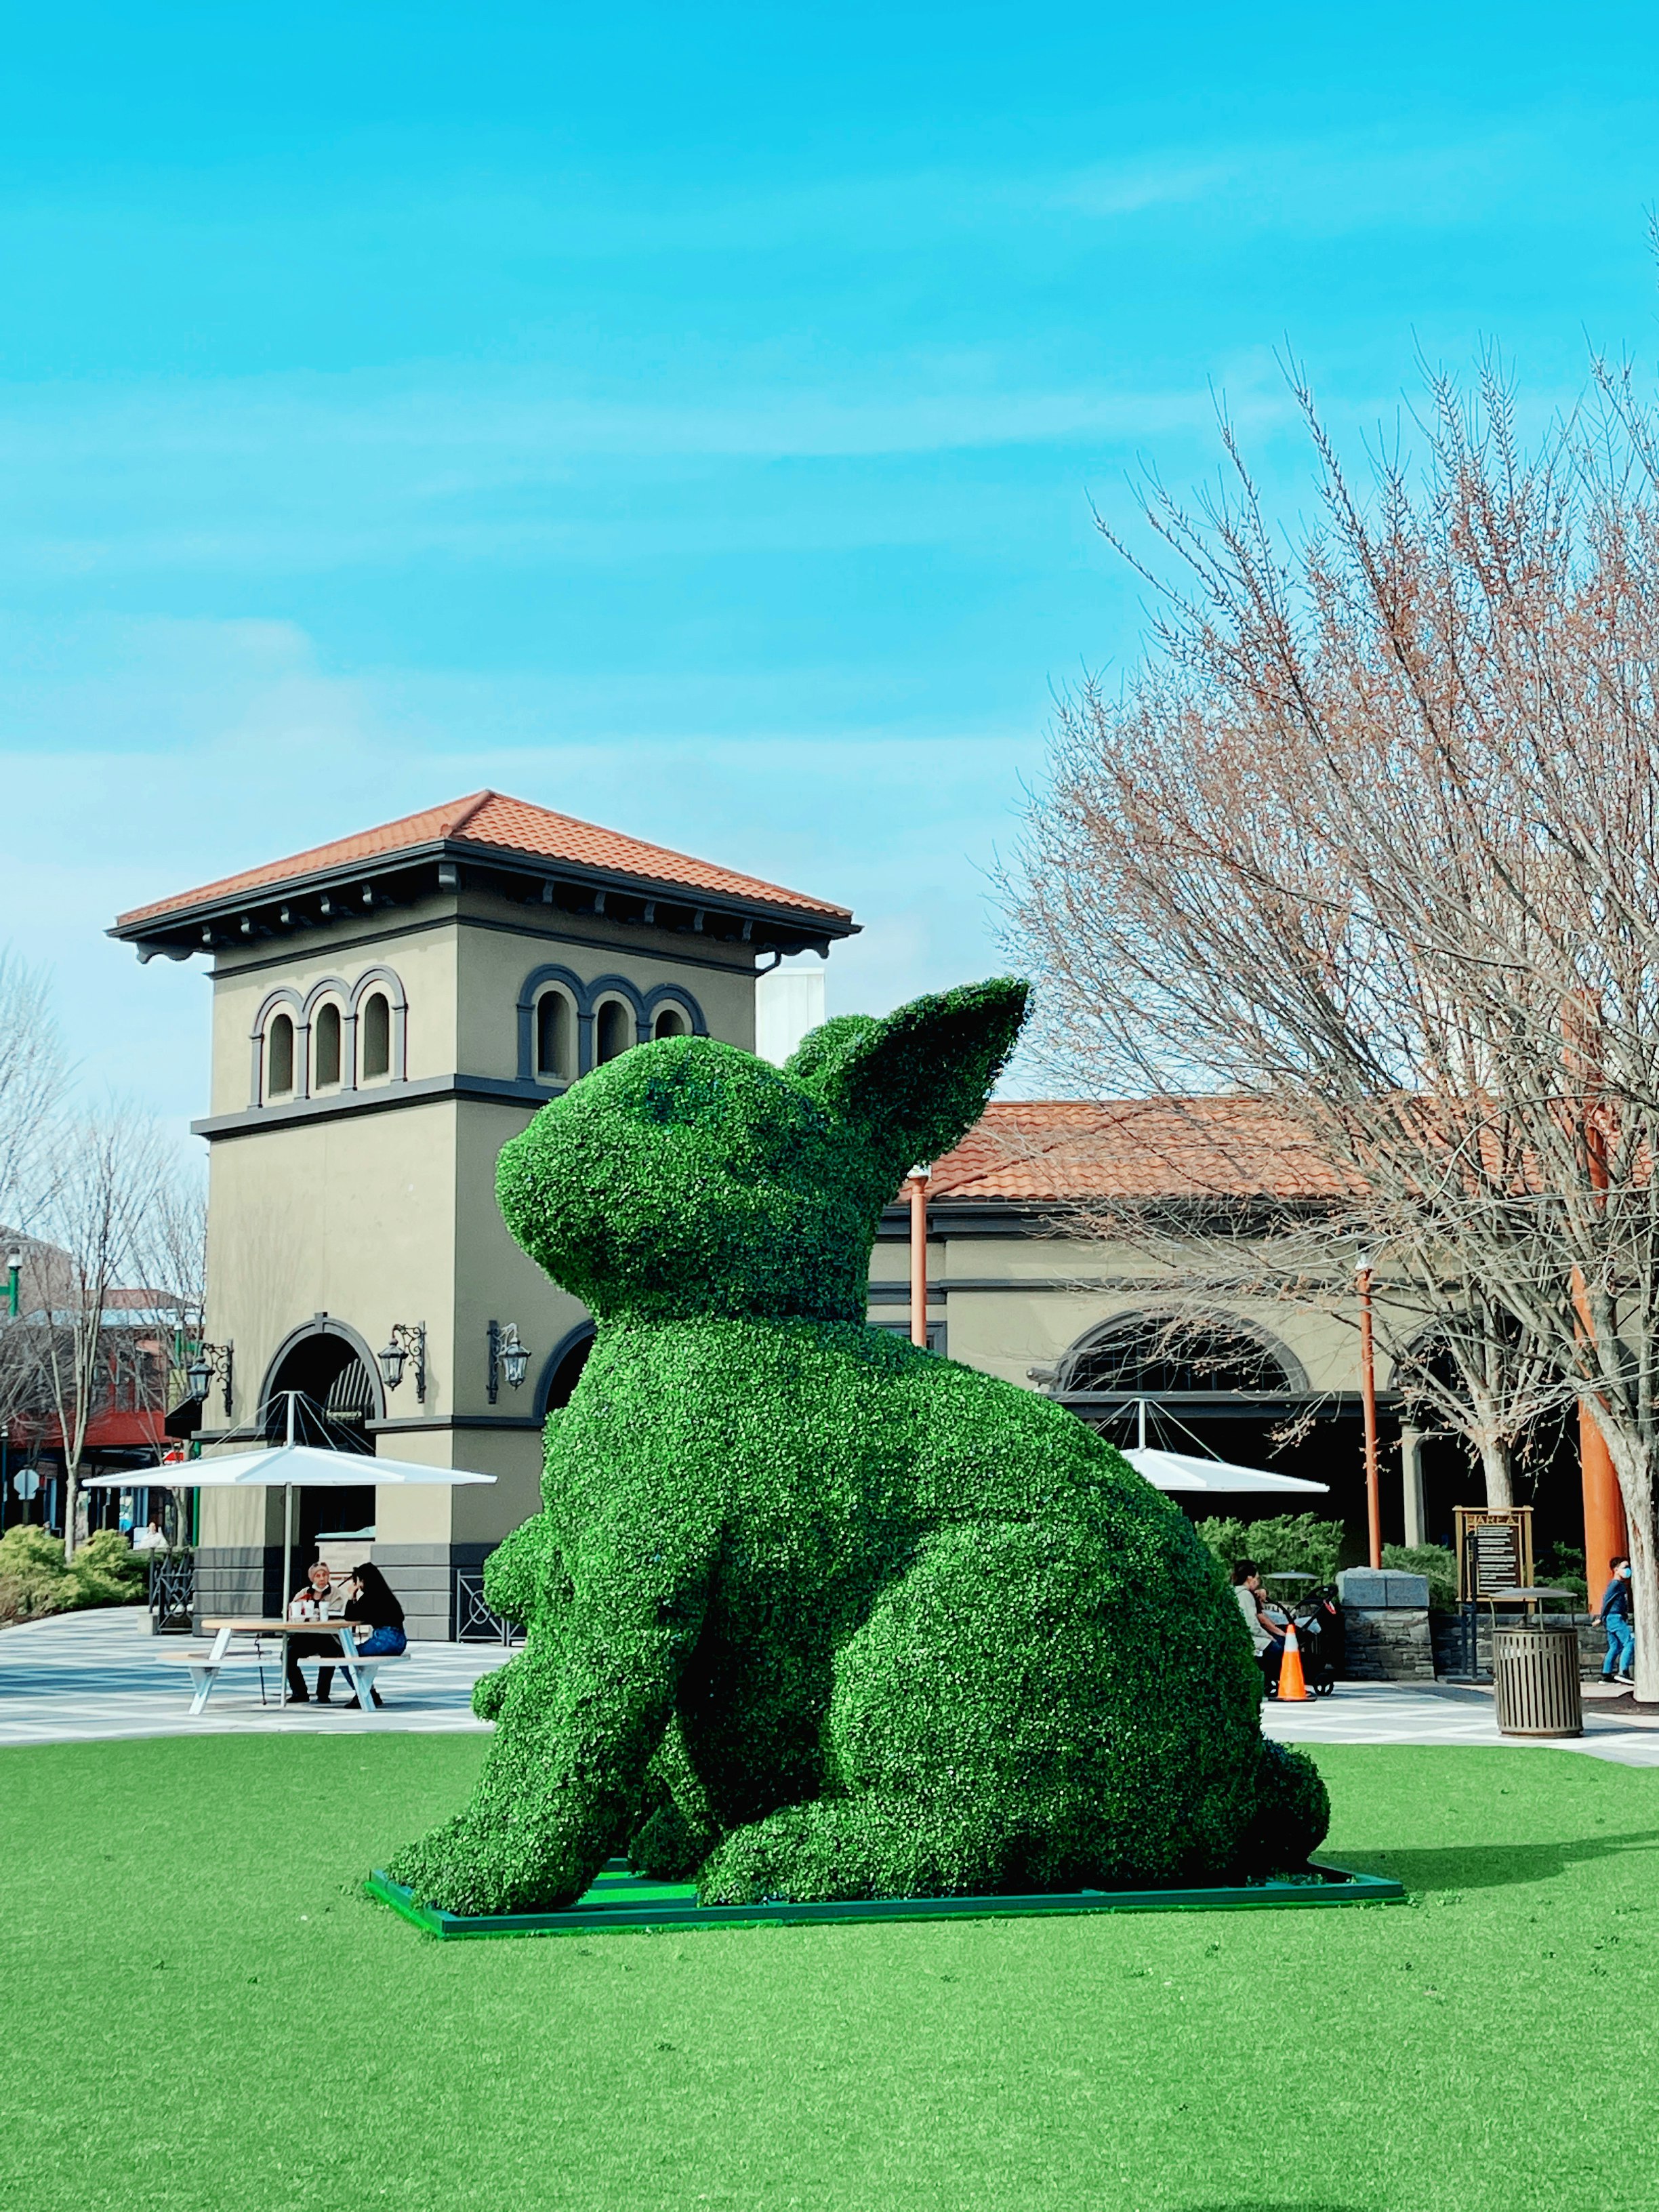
(174, 1259)
(34, 1082)
(1374, 840)
(1452, 1351)
(106, 1191)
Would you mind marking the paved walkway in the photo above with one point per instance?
(82, 1676)
(85, 1676)
(1398, 1712)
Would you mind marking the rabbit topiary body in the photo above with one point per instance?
(811, 1613)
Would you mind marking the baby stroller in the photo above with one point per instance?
(1318, 1622)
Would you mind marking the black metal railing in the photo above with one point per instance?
(172, 1592)
(476, 1622)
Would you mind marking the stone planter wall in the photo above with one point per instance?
(1388, 1644)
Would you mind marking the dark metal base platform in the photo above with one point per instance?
(621, 1900)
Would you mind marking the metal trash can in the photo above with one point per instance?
(1535, 1674)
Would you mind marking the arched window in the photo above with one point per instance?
(613, 1032)
(325, 1041)
(376, 1026)
(671, 1022)
(1155, 1355)
(555, 1033)
(279, 1057)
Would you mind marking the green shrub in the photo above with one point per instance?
(106, 1571)
(33, 1581)
(1289, 1543)
(1437, 1561)
(810, 1611)
(1562, 1567)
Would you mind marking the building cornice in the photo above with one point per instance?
(423, 1091)
(585, 933)
(448, 867)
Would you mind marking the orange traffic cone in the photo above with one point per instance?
(1290, 1683)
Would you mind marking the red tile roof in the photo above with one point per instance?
(495, 822)
(1056, 1151)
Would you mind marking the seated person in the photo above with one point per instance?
(1264, 1621)
(320, 1590)
(371, 1602)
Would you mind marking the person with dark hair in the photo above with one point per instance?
(1617, 1617)
(1267, 1630)
(372, 1604)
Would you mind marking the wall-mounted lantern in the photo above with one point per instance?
(407, 1342)
(508, 1357)
(207, 1362)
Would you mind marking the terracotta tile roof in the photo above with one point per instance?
(495, 822)
(1054, 1152)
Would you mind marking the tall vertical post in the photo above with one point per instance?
(918, 1188)
(1368, 1399)
(1411, 1484)
(1605, 1536)
(13, 1284)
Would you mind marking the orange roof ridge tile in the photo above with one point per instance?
(495, 822)
(1066, 1151)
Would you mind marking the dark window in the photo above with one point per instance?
(613, 1032)
(377, 1036)
(1151, 1357)
(553, 1030)
(328, 1045)
(671, 1022)
(935, 1332)
(279, 1057)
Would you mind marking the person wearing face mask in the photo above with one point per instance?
(1617, 1616)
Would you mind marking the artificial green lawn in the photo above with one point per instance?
(198, 2010)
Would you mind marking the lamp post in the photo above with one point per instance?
(916, 1184)
(13, 1284)
(407, 1342)
(1368, 1399)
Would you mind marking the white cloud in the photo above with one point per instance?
(185, 751)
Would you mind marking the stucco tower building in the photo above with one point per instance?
(387, 1010)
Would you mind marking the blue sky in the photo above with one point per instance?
(689, 418)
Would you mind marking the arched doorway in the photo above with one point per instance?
(563, 1371)
(338, 1394)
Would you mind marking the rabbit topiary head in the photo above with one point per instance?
(690, 1178)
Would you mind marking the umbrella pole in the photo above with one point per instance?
(288, 1564)
(287, 1550)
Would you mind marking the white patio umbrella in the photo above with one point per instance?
(1168, 1470)
(290, 1467)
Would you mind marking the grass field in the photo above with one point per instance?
(199, 2011)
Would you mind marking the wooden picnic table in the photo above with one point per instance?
(204, 1666)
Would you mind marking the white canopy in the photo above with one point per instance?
(1168, 1470)
(286, 1467)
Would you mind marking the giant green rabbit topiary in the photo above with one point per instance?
(813, 1614)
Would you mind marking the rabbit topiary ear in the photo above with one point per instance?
(918, 1081)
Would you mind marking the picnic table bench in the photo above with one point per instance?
(206, 1666)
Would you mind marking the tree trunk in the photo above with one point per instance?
(1495, 1468)
(71, 1497)
(1636, 1488)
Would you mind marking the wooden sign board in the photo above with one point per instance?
(1494, 1550)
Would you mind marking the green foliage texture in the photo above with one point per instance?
(1437, 1561)
(1284, 1543)
(811, 1613)
(34, 1580)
